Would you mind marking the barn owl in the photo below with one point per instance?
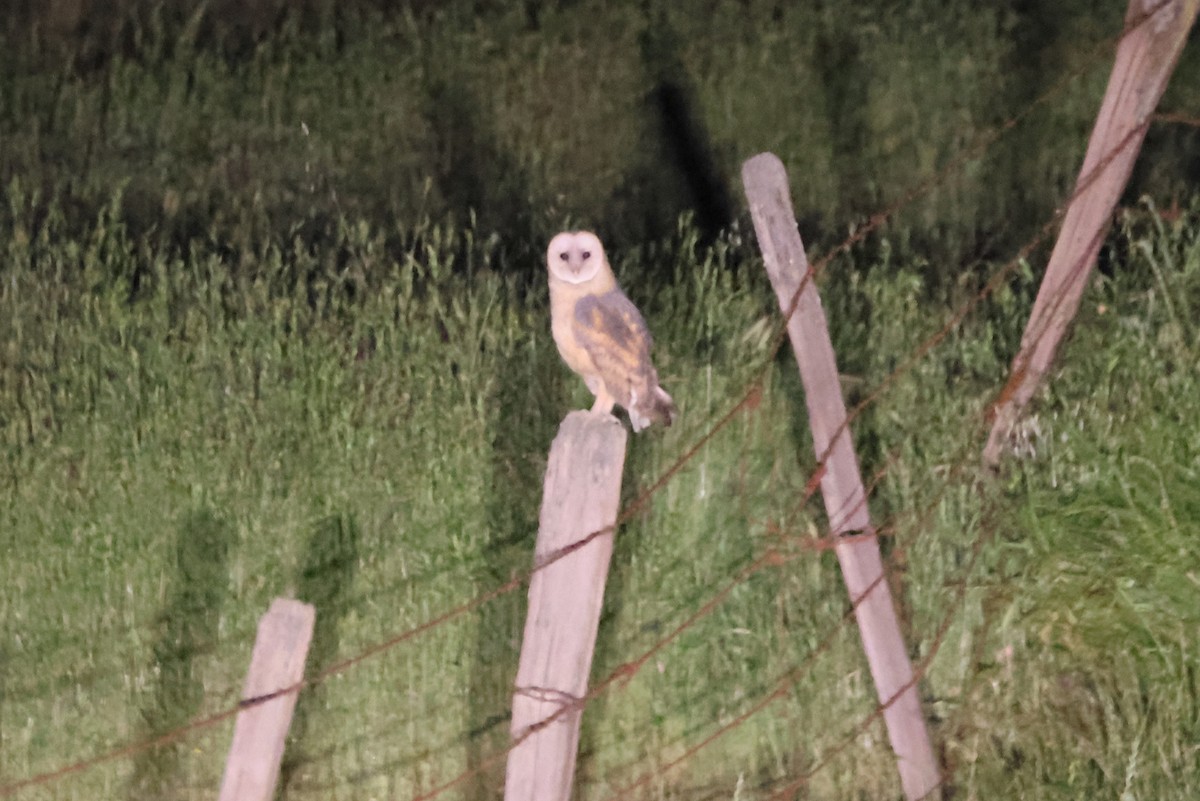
(600, 333)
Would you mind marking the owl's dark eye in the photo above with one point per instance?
(587, 254)
(563, 255)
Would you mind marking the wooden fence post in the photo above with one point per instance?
(277, 663)
(581, 497)
(766, 185)
(1145, 59)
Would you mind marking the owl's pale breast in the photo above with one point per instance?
(563, 298)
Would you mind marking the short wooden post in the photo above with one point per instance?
(276, 664)
(581, 498)
(1145, 59)
(767, 190)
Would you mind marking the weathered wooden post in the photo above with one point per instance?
(276, 664)
(1145, 59)
(766, 185)
(581, 497)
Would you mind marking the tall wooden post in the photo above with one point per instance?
(845, 498)
(579, 510)
(1146, 57)
(277, 663)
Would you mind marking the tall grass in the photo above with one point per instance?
(272, 322)
(364, 425)
(533, 113)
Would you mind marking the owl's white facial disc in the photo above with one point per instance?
(575, 256)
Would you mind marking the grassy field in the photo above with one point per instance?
(368, 433)
(273, 322)
(525, 114)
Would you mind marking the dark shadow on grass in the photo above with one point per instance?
(685, 138)
(330, 566)
(473, 173)
(846, 98)
(680, 170)
(187, 628)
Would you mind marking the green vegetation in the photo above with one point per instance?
(178, 453)
(238, 121)
(242, 358)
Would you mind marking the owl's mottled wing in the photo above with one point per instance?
(612, 331)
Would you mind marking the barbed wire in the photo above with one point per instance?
(1177, 119)
(771, 557)
(919, 353)
(786, 681)
(812, 483)
(831, 541)
(919, 671)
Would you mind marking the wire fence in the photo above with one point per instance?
(782, 545)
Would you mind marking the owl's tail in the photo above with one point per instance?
(658, 408)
